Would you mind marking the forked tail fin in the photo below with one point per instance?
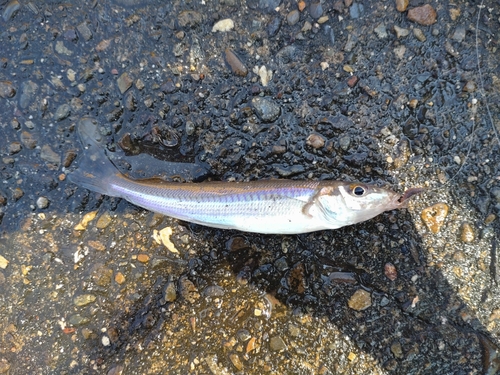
(95, 171)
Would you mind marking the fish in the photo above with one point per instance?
(265, 206)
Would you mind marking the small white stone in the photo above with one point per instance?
(106, 341)
(223, 25)
(265, 74)
(71, 74)
(42, 202)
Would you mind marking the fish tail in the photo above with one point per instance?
(95, 171)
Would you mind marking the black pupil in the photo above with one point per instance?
(358, 190)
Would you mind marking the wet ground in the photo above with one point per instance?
(333, 90)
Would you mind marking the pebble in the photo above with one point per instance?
(86, 333)
(307, 27)
(4, 366)
(61, 49)
(266, 109)
(49, 155)
(7, 90)
(243, 335)
(3, 199)
(277, 344)
(236, 361)
(223, 26)
(130, 102)
(84, 299)
(139, 84)
(450, 49)
(342, 277)
(424, 15)
(70, 35)
(17, 193)
(265, 74)
(348, 68)
(62, 112)
(143, 258)
(3, 262)
(28, 91)
(28, 140)
(400, 32)
(490, 219)
(495, 193)
(281, 264)
(10, 10)
(78, 320)
(315, 141)
(293, 17)
(234, 62)
(69, 156)
(470, 86)
(104, 220)
(42, 203)
(163, 237)
(252, 345)
(106, 341)
(467, 233)
(419, 34)
(390, 271)
(84, 31)
(323, 19)
(459, 34)
(316, 10)
(237, 243)
(103, 45)
(88, 217)
(273, 26)
(170, 292)
(169, 86)
(401, 5)
(360, 300)
(289, 171)
(345, 142)
(14, 148)
(190, 127)
(396, 349)
(188, 290)
(124, 82)
(454, 13)
(119, 278)
(116, 370)
(381, 31)
(400, 51)
(352, 81)
(356, 10)
(434, 216)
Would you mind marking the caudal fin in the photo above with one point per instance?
(95, 171)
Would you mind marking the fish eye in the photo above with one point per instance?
(358, 191)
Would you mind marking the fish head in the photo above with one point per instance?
(350, 203)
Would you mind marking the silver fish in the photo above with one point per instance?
(269, 206)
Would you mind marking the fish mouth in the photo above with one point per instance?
(407, 195)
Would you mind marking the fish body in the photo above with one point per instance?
(269, 206)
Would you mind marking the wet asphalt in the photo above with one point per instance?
(346, 90)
